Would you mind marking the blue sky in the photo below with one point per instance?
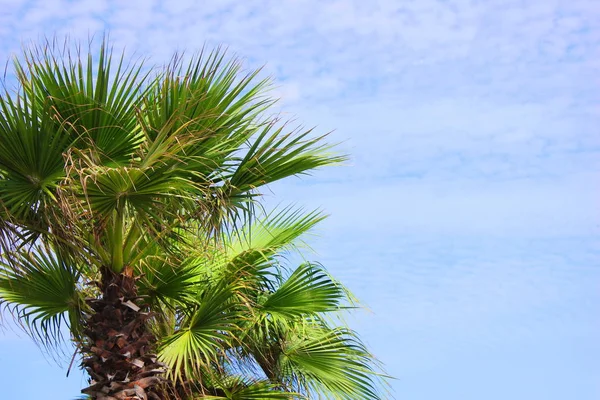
(468, 219)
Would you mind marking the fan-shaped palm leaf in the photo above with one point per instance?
(42, 289)
(203, 334)
(332, 362)
(309, 290)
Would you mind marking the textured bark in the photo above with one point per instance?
(118, 354)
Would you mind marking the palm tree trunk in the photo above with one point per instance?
(118, 353)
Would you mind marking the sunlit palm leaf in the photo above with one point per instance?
(96, 98)
(254, 249)
(309, 290)
(277, 231)
(209, 99)
(332, 362)
(203, 335)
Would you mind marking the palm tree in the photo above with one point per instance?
(130, 213)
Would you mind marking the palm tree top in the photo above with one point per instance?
(130, 212)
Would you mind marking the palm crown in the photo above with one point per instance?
(128, 203)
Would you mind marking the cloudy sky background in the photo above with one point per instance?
(468, 218)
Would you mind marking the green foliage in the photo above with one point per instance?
(107, 164)
(40, 287)
(308, 290)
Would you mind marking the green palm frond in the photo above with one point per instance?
(275, 154)
(95, 98)
(309, 290)
(165, 281)
(277, 231)
(256, 247)
(42, 290)
(208, 96)
(106, 189)
(203, 335)
(331, 362)
(251, 253)
(32, 144)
